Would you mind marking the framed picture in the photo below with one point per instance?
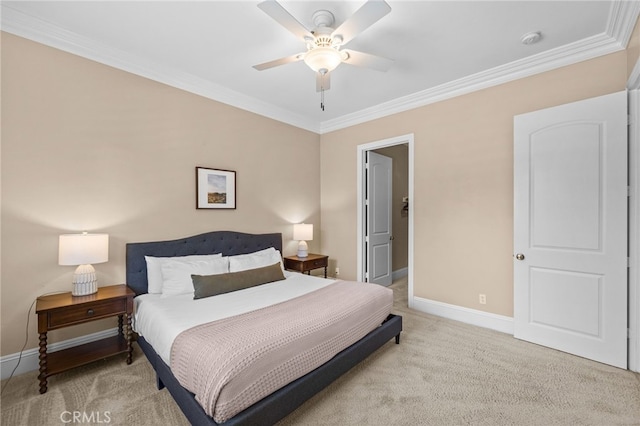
(215, 189)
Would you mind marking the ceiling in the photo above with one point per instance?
(440, 48)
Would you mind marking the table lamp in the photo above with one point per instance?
(83, 250)
(303, 232)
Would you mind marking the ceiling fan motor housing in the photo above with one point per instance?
(322, 37)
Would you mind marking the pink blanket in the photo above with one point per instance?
(233, 363)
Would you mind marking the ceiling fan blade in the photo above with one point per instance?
(368, 60)
(284, 18)
(282, 61)
(370, 13)
(323, 81)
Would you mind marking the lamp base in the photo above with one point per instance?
(303, 249)
(84, 281)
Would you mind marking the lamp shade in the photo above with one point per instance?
(303, 232)
(83, 249)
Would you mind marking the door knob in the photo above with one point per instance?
(520, 256)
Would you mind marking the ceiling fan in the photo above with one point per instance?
(325, 44)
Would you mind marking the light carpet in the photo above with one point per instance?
(443, 372)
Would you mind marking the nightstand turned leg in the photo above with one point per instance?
(43, 363)
(128, 337)
(120, 323)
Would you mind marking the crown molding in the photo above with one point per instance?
(29, 27)
(569, 54)
(622, 18)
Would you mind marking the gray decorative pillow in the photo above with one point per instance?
(211, 285)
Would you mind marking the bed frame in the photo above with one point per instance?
(285, 400)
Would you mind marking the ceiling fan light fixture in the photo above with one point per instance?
(326, 58)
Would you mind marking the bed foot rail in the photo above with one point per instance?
(398, 327)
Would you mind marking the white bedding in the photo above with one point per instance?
(160, 320)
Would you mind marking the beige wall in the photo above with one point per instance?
(633, 49)
(89, 147)
(463, 184)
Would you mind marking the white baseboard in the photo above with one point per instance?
(30, 360)
(399, 273)
(470, 316)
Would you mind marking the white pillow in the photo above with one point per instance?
(258, 259)
(154, 268)
(176, 275)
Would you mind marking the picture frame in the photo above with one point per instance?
(215, 188)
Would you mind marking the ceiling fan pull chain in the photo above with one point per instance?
(322, 98)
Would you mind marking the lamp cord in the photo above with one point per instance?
(26, 339)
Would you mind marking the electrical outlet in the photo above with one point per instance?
(482, 299)
(337, 271)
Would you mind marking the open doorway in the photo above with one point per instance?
(400, 150)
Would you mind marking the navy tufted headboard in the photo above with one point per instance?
(228, 243)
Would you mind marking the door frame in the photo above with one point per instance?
(361, 180)
(634, 225)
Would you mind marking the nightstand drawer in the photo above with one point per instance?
(87, 312)
(318, 263)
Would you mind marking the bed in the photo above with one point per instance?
(282, 401)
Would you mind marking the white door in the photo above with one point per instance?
(570, 228)
(378, 216)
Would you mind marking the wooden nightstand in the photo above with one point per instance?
(63, 310)
(306, 264)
